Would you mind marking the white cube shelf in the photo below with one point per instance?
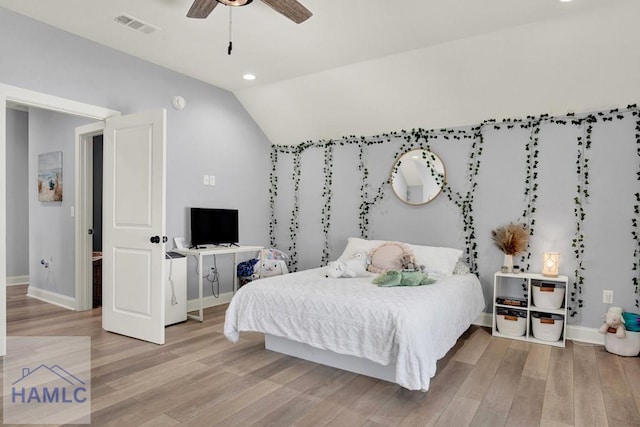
(508, 287)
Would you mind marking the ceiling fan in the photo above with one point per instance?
(289, 8)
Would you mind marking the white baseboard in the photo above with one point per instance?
(574, 333)
(17, 280)
(209, 301)
(586, 335)
(52, 298)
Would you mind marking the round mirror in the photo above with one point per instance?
(417, 177)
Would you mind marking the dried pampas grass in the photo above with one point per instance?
(512, 239)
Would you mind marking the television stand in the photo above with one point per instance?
(220, 250)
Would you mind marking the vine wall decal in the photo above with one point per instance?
(371, 195)
(634, 221)
(582, 194)
(327, 195)
(273, 193)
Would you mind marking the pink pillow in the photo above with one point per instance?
(390, 256)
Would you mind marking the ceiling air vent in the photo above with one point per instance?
(135, 24)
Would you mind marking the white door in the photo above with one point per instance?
(134, 225)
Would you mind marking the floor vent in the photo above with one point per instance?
(135, 24)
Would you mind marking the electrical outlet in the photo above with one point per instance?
(607, 297)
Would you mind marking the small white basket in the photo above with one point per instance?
(511, 322)
(627, 346)
(547, 327)
(547, 295)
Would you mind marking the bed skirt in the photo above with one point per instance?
(330, 358)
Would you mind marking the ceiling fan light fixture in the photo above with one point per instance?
(235, 2)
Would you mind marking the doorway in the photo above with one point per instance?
(30, 98)
(96, 253)
(133, 285)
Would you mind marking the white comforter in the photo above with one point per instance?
(412, 327)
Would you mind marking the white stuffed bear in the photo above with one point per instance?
(355, 266)
(613, 319)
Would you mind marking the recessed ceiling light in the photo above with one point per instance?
(565, 1)
(249, 76)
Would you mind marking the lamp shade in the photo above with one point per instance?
(551, 264)
(235, 2)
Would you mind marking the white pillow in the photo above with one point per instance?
(436, 260)
(356, 244)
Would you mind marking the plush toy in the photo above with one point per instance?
(391, 256)
(270, 267)
(403, 278)
(271, 262)
(354, 266)
(613, 319)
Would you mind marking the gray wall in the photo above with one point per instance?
(213, 135)
(17, 200)
(498, 199)
(51, 226)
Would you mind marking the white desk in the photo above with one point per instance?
(222, 250)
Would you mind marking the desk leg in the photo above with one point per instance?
(200, 315)
(235, 274)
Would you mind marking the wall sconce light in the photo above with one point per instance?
(551, 264)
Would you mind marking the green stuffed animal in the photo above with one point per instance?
(403, 278)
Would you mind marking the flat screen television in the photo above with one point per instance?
(214, 226)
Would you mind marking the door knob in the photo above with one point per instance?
(164, 239)
(155, 239)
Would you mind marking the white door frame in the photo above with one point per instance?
(84, 213)
(13, 94)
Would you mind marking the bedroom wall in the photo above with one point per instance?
(498, 199)
(213, 135)
(17, 200)
(51, 226)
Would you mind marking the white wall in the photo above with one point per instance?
(497, 200)
(51, 226)
(584, 62)
(17, 200)
(213, 135)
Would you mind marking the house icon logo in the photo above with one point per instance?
(48, 385)
(47, 380)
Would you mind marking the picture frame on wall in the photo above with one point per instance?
(50, 177)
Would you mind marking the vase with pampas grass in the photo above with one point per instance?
(511, 239)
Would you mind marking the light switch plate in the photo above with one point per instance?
(205, 180)
(212, 180)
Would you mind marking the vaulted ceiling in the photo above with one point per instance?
(340, 32)
(367, 66)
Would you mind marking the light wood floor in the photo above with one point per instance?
(200, 379)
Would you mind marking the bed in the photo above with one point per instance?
(393, 333)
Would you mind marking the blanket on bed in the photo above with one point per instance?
(412, 327)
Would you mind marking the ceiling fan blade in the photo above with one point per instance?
(201, 8)
(291, 9)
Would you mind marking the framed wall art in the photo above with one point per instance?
(50, 177)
